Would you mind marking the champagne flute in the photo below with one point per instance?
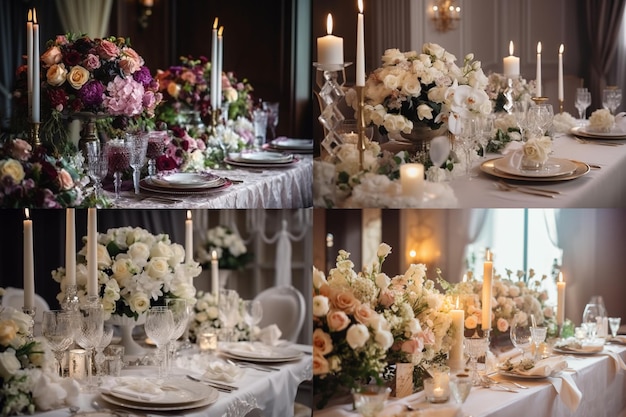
(252, 312)
(583, 100)
(118, 155)
(521, 336)
(519, 111)
(159, 327)
(89, 334)
(97, 166)
(180, 313)
(57, 327)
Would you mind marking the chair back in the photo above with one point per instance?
(14, 297)
(285, 307)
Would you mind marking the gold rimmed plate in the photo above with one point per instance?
(489, 168)
(554, 167)
(584, 132)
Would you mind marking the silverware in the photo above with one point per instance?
(506, 382)
(533, 191)
(258, 367)
(490, 383)
(596, 142)
(217, 385)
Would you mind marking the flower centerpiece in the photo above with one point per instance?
(136, 270)
(28, 381)
(206, 317)
(182, 152)
(229, 248)
(363, 322)
(37, 179)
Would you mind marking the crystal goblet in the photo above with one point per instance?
(89, 334)
(58, 329)
(460, 387)
(105, 340)
(138, 143)
(159, 327)
(155, 148)
(614, 323)
(118, 155)
(180, 309)
(228, 306)
(538, 335)
(369, 400)
(476, 347)
(521, 336)
(97, 166)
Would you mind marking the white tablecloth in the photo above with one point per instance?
(603, 389)
(260, 188)
(273, 392)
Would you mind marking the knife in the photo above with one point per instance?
(214, 384)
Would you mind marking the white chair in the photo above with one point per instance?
(285, 307)
(14, 297)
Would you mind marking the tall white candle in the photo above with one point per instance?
(456, 361)
(29, 264)
(486, 301)
(561, 95)
(330, 47)
(511, 63)
(92, 252)
(70, 247)
(36, 63)
(215, 276)
(220, 64)
(214, 65)
(412, 179)
(360, 48)
(189, 238)
(560, 300)
(29, 61)
(538, 77)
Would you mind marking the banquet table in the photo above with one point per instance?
(251, 188)
(601, 382)
(273, 392)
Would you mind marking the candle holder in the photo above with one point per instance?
(508, 96)
(215, 120)
(35, 140)
(360, 91)
(30, 311)
(330, 79)
(561, 106)
(476, 347)
(71, 301)
(539, 100)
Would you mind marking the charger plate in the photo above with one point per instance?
(488, 167)
(585, 132)
(554, 167)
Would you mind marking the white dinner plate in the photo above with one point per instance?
(176, 391)
(587, 133)
(264, 354)
(523, 376)
(574, 351)
(488, 168)
(293, 144)
(208, 400)
(247, 164)
(554, 167)
(187, 180)
(263, 157)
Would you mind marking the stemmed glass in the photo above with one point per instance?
(485, 130)
(97, 166)
(159, 327)
(138, 143)
(540, 118)
(118, 155)
(538, 335)
(519, 111)
(583, 101)
(611, 98)
(252, 312)
(105, 340)
(228, 306)
(369, 400)
(467, 141)
(521, 336)
(614, 323)
(476, 347)
(58, 328)
(180, 314)
(271, 108)
(89, 334)
(155, 148)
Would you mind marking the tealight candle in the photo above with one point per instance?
(207, 342)
(330, 47)
(437, 388)
(412, 179)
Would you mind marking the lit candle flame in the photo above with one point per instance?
(215, 24)
(457, 302)
(560, 276)
(214, 255)
(464, 277)
(188, 214)
(561, 49)
(539, 47)
(34, 16)
(27, 213)
(511, 49)
(219, 32)
(30, 15)
(329, 24)
(360, 3)
(488, 256)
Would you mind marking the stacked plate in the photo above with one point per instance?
(589, 133)
(256, 352)
(282, 144)
(186, 183)
(555, 169)
(261, 159)
(175, 394)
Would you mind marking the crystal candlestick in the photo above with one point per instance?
(30, 311)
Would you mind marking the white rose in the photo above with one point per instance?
(391, 82)
(22, 320)
(178, 254)
(162, 250)
(108, 305)
(139, 302)
(212, 312)
(104, 259)
(320, 305)
(319, 278)
(157, 267)
(424, 111)
(139, 252)
(393, 57)
(538, 149)
(9, 364)
(384, 339)
(437, 94)
(383, 250)
(433, 49)
(122, 269)
(411, 86)
(382, 281)
(357, 335)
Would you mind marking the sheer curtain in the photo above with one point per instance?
(466, 226)
(89, 17)
(603, 19)
(620, 67)
(12, 39)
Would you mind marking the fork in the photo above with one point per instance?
(538, 192)
(507, 382)
(250, 365)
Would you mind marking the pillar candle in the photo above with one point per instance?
(70, 247)
(29, 264)
(330, 47)
(189, 238)
(215, 277)
(92, 252)
(412, 179)
(511, 63)
(36, 63)
(560, 300)
(213, 65)
(220, 65)
(538, 77)
(360, 48)
(29, 61)
(561, 95)
(456, 360)
(486, 301)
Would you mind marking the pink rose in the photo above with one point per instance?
(320, 365)
(412, 346)
(65, 180)
(386, 298)
(427, 336)
(200, 144)
(337, 320)
(188, 76)
(61, 40)
(322, 343)
(131, 62)
(52, 56)
(107, 50)
(364, 314)
(149, 100)
(20, 149)
(502, 325)
(91, 62)
(344, 300)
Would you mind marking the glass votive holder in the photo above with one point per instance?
(369, 400)
(77, 367)
(437, 388)
(580, 333)
(207, 342)
(114, 360)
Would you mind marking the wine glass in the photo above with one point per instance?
(89, 334)
(589, 321)
(460, 387)
(271, 108)
(538, 335)
(439, 149)
(485, 131)
(540, 118)
(138, 143)
(583, 101)
(159, 327)
(97, 166)
(118, 155)
(252, 312)
(228, 306)
(611, 98)
(105, 340)
(521, 336)
(180, 313)
(467, 141)
(58, 329)
(519, 112)
(154, 149)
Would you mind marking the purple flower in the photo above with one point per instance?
(143, 76)
(92, 94)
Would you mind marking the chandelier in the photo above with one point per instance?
(445, 14)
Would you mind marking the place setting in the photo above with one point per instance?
(185, 183)
(262, 159)
(284, 144)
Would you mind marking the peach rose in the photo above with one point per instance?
(322, 343)
(364, 314)
(52, 56)
(502, 324)
(471, 322)
(20, 149)
(65, 180)
(56, 75)
(8, 331)
(131, 62)
(108, 50)
(188, 76)
(77, 77)
(12, 169)
(386, 298)
(173, 89)
(344, 300)
(320, 365)
(337, 320)
(412, 346)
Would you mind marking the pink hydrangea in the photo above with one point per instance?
(124, 97)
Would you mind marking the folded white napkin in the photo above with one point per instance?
(620, 121)
(573, 345)
(619, 339)
(141, 388)
(270, 335)
(222, 371)
(567, 390)
(617, 360)
(545, 367)
(258, 348)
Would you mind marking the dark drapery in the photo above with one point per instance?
(12, 45)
